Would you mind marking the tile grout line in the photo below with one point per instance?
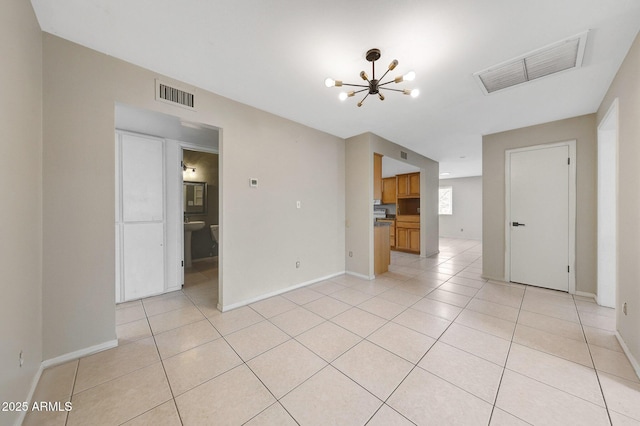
(164, 370)
(419, 360)
(507, 359)
(604, 399)
(73, 386)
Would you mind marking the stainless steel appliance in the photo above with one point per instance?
(379, 213)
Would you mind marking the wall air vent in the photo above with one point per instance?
(560, 56)
(403, 155)
(175, 95)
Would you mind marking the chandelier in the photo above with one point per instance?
(374, 86)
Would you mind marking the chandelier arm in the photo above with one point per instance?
(388, 82)
(361, 90)
(355, 85)
(365, 97)
(384, 75)
(388, 88)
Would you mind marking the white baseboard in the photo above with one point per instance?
(627, 351)
(61, 360)
(355, 274)
(489, 277)
(32, 389)
(225, 308)
(175, 288)
(586, 294)
(79, 353)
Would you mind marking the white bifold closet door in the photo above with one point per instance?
(143, 217)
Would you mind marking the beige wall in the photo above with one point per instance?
(359, 205)
(21, 195)
(466, 220)
(359, 199)
(626, 88)
(583, 130)
(262, 232)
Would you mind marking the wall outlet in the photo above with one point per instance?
(624, 308)
(21, 359)
(298, 204)
(297, 264)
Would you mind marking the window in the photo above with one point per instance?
(445, 205)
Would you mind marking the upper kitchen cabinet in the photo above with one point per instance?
(389, 190)
(408, 185)
(377, 176)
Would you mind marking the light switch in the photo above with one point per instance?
(298, 205)
(253, 182)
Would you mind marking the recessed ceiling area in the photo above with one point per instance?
(275, 55)
(392, 167)
(154, 123)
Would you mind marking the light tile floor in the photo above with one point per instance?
(428, 343)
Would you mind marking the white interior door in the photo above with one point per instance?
(538, 214)
(143, 218)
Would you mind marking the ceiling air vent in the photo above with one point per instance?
(175, 95)
(560, 56)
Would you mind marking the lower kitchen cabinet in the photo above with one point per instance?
(408, 234)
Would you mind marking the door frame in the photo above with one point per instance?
(180, 226)
(571, 144)
(608, 136)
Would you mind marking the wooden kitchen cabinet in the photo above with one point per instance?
(389, 190)
(392, 231)
(408, 233)
(381, 254)
(408, 185)
(377, 176)
(408, 239)
(414, 240)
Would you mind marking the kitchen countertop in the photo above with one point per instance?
(376, 223)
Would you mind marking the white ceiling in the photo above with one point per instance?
(275, 55)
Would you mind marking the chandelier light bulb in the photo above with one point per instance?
(364, 76)
(393, 64)
(415, 93)
(343, 96)
(329, 82)
(410, 76)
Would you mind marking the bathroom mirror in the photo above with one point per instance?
(195, 197)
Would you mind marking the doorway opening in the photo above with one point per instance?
(171, 136)
(201, 213)
(607, 207)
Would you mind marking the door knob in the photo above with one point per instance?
(517, 224)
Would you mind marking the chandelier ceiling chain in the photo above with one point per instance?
(374, 85)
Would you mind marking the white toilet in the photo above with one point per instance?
(214, 232)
